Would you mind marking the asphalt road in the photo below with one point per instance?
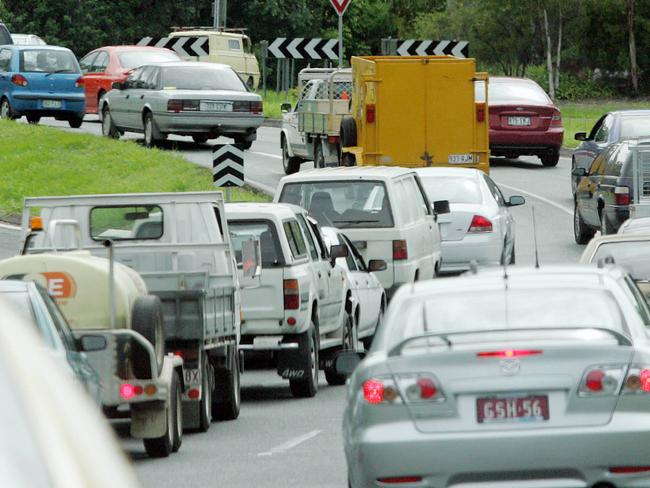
(280, 441)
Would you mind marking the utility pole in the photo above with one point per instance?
(219, 9)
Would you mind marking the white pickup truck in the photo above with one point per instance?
(311, 129)
(301, 309)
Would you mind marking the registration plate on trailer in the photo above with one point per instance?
(460, 158)
(192, 377)
(51, 103)
(216, 107)
(512, 409)
(518, 121)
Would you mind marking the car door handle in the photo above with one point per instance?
(141, 97)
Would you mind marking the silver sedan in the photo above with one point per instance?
(479, 226)
(202, 100)
(537, 378)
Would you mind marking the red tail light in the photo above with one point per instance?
(480, 112)
(333, 139)
(400, 250)
(622, 195)
(628, 469)
(638, 380)
(80, 82)
(174, 105)
(127, 391)
(395, 480)
(373, 391)
(191, 105)
(291, 295)
(509, 353)
(19, 80)
(556, 119)
(257, 107)
(370, 113)
(241, 106)
(480, 224)
(602, 380)
(419, 388)
(594, 380)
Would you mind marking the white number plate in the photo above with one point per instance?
(216, 107)
(192, 377)
(519, 121)
(51, 103)
(460, 158)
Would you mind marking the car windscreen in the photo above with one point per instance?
(48, 61)
(452, 188)
(135, 59)
(516, 308)
(342, 204)
(262, 230)
(121, 223)
(201, 78)
(512, 91)
(633, 127)
(631, 255)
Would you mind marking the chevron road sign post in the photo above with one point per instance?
(303, 48)
(228, 166)
(340, 6)
(418, 47)
(185, 46)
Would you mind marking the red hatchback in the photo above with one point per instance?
(108, 64)
(523, 120)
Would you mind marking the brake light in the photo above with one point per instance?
(628, 469)
(174, 105)
(191, 105)
(257, 107)
(622, 195)
(556, 119)
(194, 394)
(19, 80)
(127, 391)
(241, 106)
(80, 82)
(395, 480)
(602, 380)
(380, 390)
(480, 224)
(638, 380)
(419, 388)
(370, 113)
(291, 295)
(400, 250)
(480, 112)
(509, 353)
(333, 139)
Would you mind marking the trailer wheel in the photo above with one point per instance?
(163, 446)
(348, 132)
(205, 414)
(227, 390)
(147, 320)
(307, 388)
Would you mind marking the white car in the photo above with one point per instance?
(369, 298)
(479, 226)
(383, 210)
(52, 434)
(298, 308)
(639, 225)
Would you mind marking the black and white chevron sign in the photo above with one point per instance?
(185, 47)
(228, 165)
(415, 47)
(302, 48)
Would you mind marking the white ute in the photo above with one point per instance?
(300, 308)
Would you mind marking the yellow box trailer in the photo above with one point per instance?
(416, 111)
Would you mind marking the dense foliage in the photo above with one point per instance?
(506, 36)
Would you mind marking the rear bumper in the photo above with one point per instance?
(571, 457)
(533, 142)
(208, 123)
(33, 103)
(486, 250)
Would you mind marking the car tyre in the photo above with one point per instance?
(75, 121)
(226, 402)
(307, 388)
(205, 405)
(160, 447)
(319, 159)
(244, 143)
(349, 344)
(147, 320)
(151, 134)
(200, 139)
(108, 126)
(581, 232)
(550, 160)
(6, 112)
(290, 164)
(33, 119)
(348, 132)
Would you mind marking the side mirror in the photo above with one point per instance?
(515, 201)
(377, 265)
(579, 172)
(92, 342)
(338, 251)
(345, 362)
(285, 108)
(441, 207)
(580, 136)
(118, 85)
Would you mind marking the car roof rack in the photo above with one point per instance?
(237, 30)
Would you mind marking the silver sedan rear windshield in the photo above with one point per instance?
(452, 188)
(201, 78)
(529, 308)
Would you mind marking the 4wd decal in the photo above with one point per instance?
(293, 373)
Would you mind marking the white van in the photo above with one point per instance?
(383, 210)
(233, 48)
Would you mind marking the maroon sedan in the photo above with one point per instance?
(523, 120)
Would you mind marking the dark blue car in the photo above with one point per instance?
(41, 81)
(611, 127)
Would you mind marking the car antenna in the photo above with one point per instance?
(535, 238)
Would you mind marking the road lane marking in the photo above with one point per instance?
(9, 226)
(290, 444)
(564, 209)
(268, 155)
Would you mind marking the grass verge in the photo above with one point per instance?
(37, 161)
(273, 100)
(581, 116)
